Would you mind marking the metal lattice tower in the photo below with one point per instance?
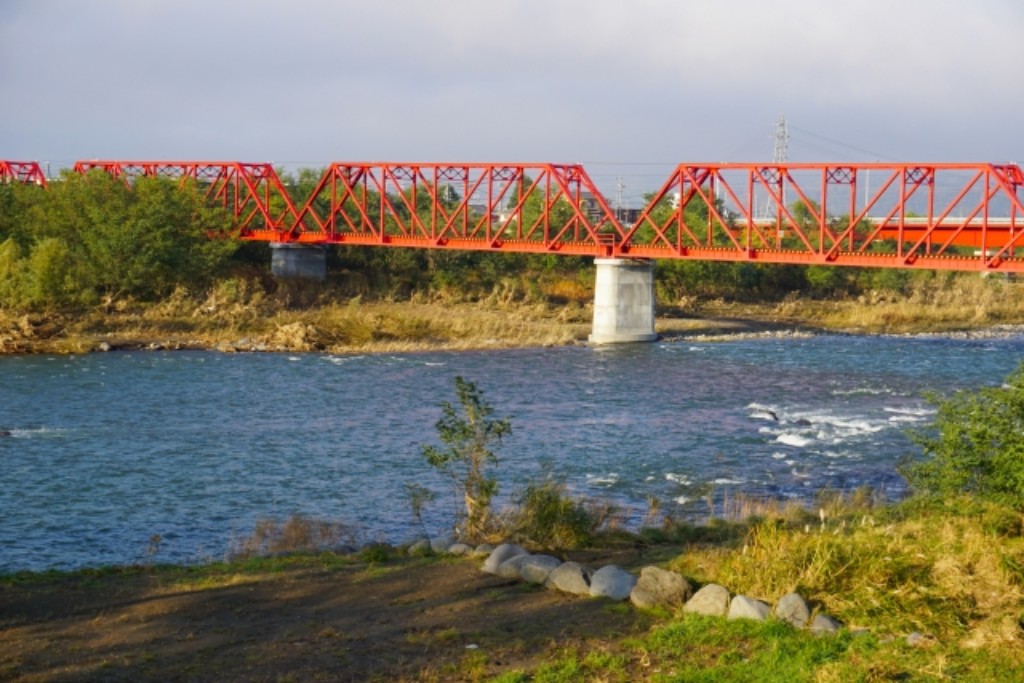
(781, 141)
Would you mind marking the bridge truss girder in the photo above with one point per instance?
(933, 216)
(251, 192)
(28, 172)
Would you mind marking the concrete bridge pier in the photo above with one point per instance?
(289, 260)
(623, 301)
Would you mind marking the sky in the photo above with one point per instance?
(629, 88)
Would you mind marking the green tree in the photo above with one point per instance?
(975, 445)
(469, 433)
(140, 240)
(11, 269)
(50, 279)
(827, 279)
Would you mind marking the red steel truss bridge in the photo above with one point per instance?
(964, 216)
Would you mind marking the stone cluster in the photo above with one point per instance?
(655, 587)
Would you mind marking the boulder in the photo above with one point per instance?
(570, 577)
(712, 600)
(482, 550)
(499, 555)
(420, 547)
(658, 587)
(440, 545)
(793, 609)
(535, 568)
(612, 581)
(459, 549)
(823, 624)
(743, 607)
(509, 569)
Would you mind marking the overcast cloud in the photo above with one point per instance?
(627, 87)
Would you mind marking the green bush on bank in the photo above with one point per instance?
(975, 446)
(91, 237)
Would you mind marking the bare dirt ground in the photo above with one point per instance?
(404, 619)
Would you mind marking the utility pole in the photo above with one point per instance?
(619, 187)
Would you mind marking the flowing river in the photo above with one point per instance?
(107, 450)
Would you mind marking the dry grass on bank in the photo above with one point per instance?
(955, 574)
(240, 314)
(962, 303)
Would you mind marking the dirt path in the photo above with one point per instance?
(405, 619)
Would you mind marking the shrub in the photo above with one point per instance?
(975, 446)
(548, 516)
(469, 434)
(298, 534)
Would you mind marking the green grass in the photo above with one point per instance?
(709, 650)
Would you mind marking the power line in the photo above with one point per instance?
(873, 154)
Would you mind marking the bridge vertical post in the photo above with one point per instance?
(623, 301)
(298, 261)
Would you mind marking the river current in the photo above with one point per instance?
(107, 450)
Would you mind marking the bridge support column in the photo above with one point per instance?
(623, 301)
(298, 261)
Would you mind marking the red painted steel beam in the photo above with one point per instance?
(22, 172)
(535, 208)
(941, 216)
(944, 216)
(251, 192)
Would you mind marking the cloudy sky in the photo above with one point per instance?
(628, 87)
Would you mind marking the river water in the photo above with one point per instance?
(107, 450)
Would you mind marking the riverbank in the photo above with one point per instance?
(254, 322)
(922, 594)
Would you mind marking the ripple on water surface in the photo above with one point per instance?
(106, 451)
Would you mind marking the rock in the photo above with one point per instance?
(459, 549)
(503, 552)
(103, 346)
(793, 609)
(482, 550)
(612, 581)
(509, 569)
(570, 577)
(743, 607)
(658, 587)
(823, 624)
(440, 545)
(917, 639)
(712, 600)
(535, 568)
(420, 547)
